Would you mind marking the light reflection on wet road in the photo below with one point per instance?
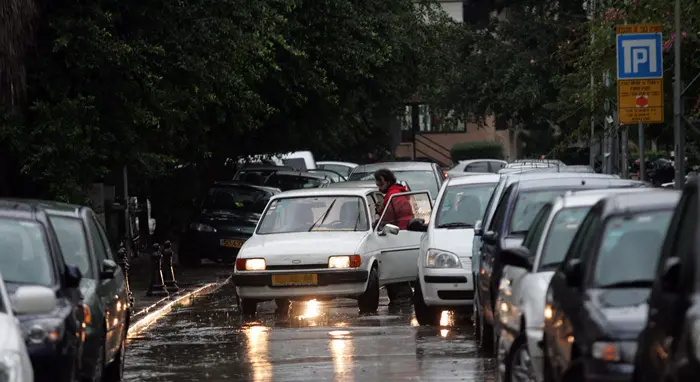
(317, 341)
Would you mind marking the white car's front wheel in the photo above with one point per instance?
(368, 302)
(425, 315)
(248, 307)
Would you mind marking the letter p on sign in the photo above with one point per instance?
(639, 56)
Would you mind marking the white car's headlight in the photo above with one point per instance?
(10, 367)
(199, 227)
(614, 351)
(353, 261)
(250, 264)
(437, 258)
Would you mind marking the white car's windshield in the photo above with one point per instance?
(462, 206)
(630, 249)
(561, 233)
(416, 180)
(322, 213)
(527, 206)
(24, 256)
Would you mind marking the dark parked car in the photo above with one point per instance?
(595, 306)
(84, 244)
(518, 206)
(30, 254)
(258, 173)
(226, 218)
(669, 345)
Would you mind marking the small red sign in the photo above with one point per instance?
(642, 101)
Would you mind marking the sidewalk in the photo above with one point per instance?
(192, 283)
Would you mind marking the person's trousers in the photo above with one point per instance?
(400, 292)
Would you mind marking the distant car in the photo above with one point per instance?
(27, 300)
(596, 303)
(526, 275)
(30, 255)
(419, 175)
(225, 219)
(477, 166)
(333, 176)
(343, 168)
(324, 243)
(353, 184)
(445, 277)
(257, 173)
(84, 243)
(554, 162)
(295, 180)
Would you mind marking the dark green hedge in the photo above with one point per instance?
(476, 150)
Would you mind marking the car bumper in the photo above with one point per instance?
(259, 286)
(208, 245)
(447, 287)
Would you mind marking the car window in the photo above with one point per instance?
(402, 208)
(491, 204)
(527, 205)
(236, 199)
(310, 214)
(477, 167)
(105, 239)
(561, 233)
(98, 245)
(73, 241)
(532, 239)
(416, 180)
(630, 248)
(496, 166)
(293, 182)
(24, 253)
(463, 205)
(342, 170)
(681, 234)
(500, 214)
(581, 237)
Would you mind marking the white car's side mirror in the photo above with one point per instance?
(34, 299)
(477, 228)
(389, 229)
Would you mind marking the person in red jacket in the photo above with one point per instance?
(399, 213)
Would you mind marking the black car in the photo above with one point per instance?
(30, 254)
(596, 301)
(669, 345)
(518, 206)
(84, 244)
(226, 218)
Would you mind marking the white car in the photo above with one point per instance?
(15, 365)
(324, 243)
(445, 277)
(343, 168)
(526, 276)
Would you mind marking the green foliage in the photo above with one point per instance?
(476, 150)
(153, 83)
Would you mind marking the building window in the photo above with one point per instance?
(435, 122)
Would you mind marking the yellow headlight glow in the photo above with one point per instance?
(255, 264)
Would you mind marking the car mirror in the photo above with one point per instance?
(73, 276)
(478, 231)
(671, 275)
(517, 257)
(417, 225)
(573, 270)
(490, 237)
(33, 299)
(109, 269)
(389, 229)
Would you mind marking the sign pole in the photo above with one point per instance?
(624, 160)
(677, 127)
(642, 167)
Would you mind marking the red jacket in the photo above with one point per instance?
(399, 212)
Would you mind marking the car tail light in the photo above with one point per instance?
(444, 173)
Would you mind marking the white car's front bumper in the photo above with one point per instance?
(447, 287)
(340, 283)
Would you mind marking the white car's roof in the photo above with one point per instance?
(481, 178)
(589, 197)
(346, 164)
(311, 192)
(394, 166)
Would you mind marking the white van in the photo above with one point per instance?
(299, 160)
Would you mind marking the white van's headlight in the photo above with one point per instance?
(437, 258)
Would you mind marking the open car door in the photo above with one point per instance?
(397, 247)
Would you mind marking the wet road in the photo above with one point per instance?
(316, 341)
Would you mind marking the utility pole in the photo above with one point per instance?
(677, 123)
(591, 154)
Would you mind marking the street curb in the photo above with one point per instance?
(147, 316)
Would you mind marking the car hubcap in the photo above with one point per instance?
(521, 367)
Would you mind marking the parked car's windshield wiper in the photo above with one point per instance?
(322, 218)
(455, 225)
(629, 284)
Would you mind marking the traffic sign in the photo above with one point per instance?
(640, 101)
(639, 52)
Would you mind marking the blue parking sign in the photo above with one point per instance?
(639, 56)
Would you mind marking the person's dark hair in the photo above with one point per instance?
(386, 175)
